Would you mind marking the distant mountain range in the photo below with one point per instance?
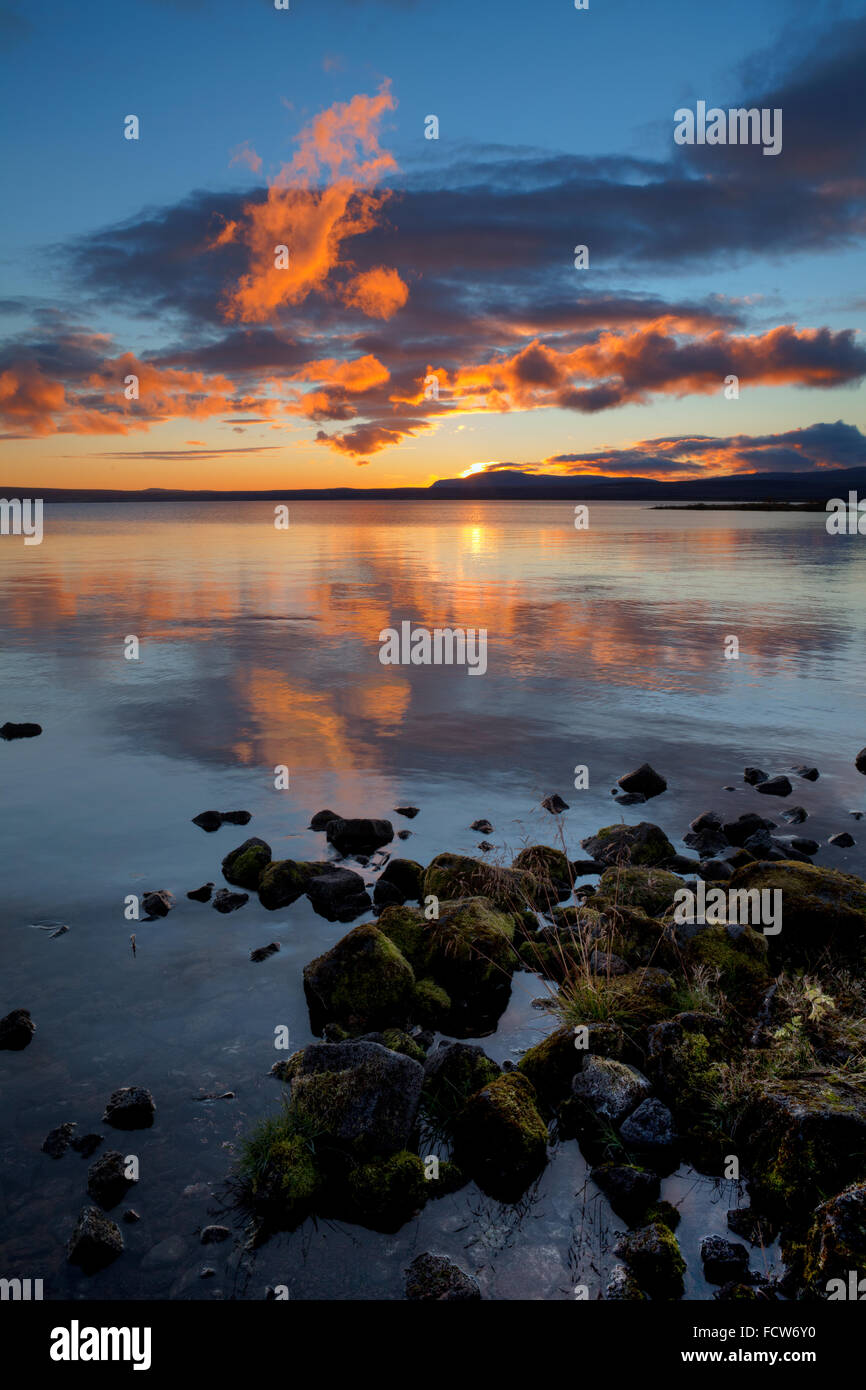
(511, 485)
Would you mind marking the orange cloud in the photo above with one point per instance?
(242, 154)
(322, 197)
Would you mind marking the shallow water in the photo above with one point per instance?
(259, 648)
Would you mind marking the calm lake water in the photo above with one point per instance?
(259, 647)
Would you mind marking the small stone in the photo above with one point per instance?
(158, 903)
(207, 1273)
(775, 786)
(86, 1144)
(486, 846)
(795, 815)
(262, 952)
(130, 1216)
(482, 826)
(107, 1182)
(58, 1140)
(435, 1278)
(754, 775)
(95, 1242)
(410, 812)
(554, 804)
(212, 1235)
(201, 895)
(842, 841)
(16, 1030)
(810, 774)
(723, 1259)
(644, 780)
(403, 834)
(10, 731)
(130, 1107)
(224, 901)
(860, 761)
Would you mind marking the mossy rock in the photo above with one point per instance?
(644, 843)
(397, 1041)
(803, 1139)
(642, 997)
(364, 982)
(686, 1059)
(653, 1256)
(288, 1069)
(245, 865)
(500, 1138)
(471, 955)
(550, 867)
(823, 911)
(453, 1072)
(452, 876)
(740, 954)
(357, 1098)
(280, 1173)
(387, 1192)
(629, 1188)
(431, 1005)
(650, 889)
(836, 1242)
(666, 1213)
(283, 881)
(407, 928)
(550, 1065)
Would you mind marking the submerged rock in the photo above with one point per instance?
(245, 865)
(224, 901)
(359, 835)
(500, 1139)
(57, 1141)
(644, 780)
(809, 774)
(262, 952)
(214, 1235)
(130, 1107)
(16, 1030)
(629, 844)
(435, 1278)
(357, 1096)
(10, 730)
(212, 820)
(410, 812)
(95, 1242)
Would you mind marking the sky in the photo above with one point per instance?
(425, 317)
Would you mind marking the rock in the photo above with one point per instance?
(631, 799)
(482, 826)
(650, 1128)
(409, 811)
(605, 963)
(130, 1107)
(707, 820)
(737, 832)
(800, 1138)
(208, 820)
(107, 1182)
(207, 1272)
(159, 903)
(723, 1260)
(385, 1193)
(810, 774)
(357, 1096)
(224, 901)
(707, 843)
(468, 952)
(201, 895)
(485, 846)
(629, 1189)
(339, 895)
(16, 1030)
(403, 834)
(453, 876)
(860, 761)
(757, 1230)
(822, 908)
(555, 804)
(245, 865)
(714, 870)
(322, 819)
(611, 1089)
(622, 1287)
(87, 1144)
(842, 841)
(286, 880)
(795, 815)
(836, 1240)
(214, 1235)
(95, 1242)
(798, 842)
(858, 815)
(130, 1216)
(10, 731)
(759, 844)
(653, 1256)
(644, 780)
(363, 981)
(262, 952)
(550, 867)
(585, 866)
(775, 786)
(236, 817)
(754, 776)
(57, 1141)
(629, 844)
(500, 1139)
(651, 890)
(734, 953)
(358, 836)
(404, 877)
(435, 1278)
(453, 1073)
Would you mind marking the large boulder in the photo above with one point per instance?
(550, 867)
(500, 1138)
(802, 1138)
(401, 879)
(363, 982)
(458, 876)
(358, 835)
(823, 910)
(629, 1188)
(643, 843)
(358, 1097)
(245, 865)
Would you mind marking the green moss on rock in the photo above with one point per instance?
(653, 1256)
(500, 1138)
(386, 1192)
(452, 876)
(650, 889)
(364, 982)
(245, 865)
